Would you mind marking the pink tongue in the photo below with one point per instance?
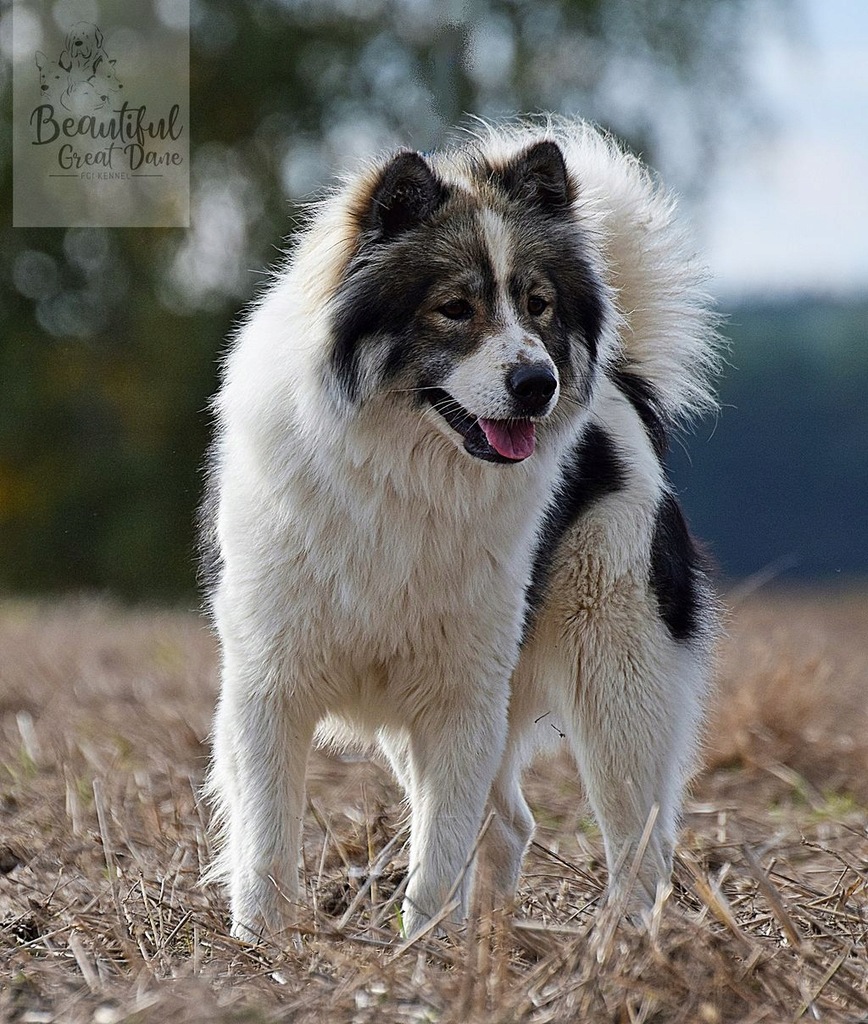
(513, 439)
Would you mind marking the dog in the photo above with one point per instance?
(82, 98)
(84, 80)
(83, 53)
(105, 79)
(442, 520)
(53, 79)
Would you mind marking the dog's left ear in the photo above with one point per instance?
(539, 176)
(406, 193)
(98, 37)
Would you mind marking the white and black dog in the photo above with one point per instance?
(442, 517)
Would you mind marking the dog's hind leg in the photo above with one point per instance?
(633, 719)
(508, 834)
(512, 825)
(396, 747)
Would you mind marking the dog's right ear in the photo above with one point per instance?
(406, 193)
(41, 59)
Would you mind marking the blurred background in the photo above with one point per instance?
(754, 110)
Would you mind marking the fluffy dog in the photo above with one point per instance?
(442, 516)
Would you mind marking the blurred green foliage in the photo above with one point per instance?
(110, 338)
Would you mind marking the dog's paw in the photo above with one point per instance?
(256, 931)
(263, 913)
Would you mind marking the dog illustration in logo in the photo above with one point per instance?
(53, 79)
(105, 78)
(82, 98)
(84, 80)
(84, 51)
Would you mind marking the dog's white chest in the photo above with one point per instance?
(380, 577)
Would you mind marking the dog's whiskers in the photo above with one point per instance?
(402, 391)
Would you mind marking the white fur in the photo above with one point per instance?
(499, 245)
(374, 574)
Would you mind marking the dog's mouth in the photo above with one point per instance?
(504, 441)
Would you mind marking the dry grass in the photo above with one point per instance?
(104, 718)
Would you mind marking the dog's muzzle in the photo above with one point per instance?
(531, 388)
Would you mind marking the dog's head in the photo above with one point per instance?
(52, 77)
(472, 296)
(105, 73)
(83, 43)
(85, 98)
(105, 86)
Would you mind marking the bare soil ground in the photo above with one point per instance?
(104, 719)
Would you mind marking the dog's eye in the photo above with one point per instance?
(536, 305)
(456, 309)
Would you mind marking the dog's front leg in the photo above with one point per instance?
(454, 752)
(261, 743)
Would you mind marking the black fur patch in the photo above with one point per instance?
(677, 567)
(643, 397)
(372, 304)
(407, 193)
(581, 300)
(538, 177)
(595, 468)
(557, 253)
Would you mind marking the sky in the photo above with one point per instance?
(788, 211)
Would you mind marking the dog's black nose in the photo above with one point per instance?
(532, 385)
